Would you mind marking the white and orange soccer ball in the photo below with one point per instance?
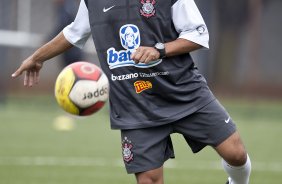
(81, 88)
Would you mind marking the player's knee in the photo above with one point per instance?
(239, 155)
(233, 151)
(148, 178)
(145, 181)
(239, 158)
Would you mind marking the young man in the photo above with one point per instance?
(143, 47)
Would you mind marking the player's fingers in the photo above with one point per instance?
(31, 79)
(17, 73)
(144, 57)
(152, 55)
(134, 56)
(26, 75)
(149, 59)
(137, 56)
(134, 52)
(36, 75)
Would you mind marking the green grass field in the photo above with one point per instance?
(32, 151)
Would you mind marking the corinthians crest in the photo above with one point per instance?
(126, 150)
(148, 9)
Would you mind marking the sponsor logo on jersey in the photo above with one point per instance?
(148, 9)
(127, 150)
(130, 41)
(124, 77)
(137, 75)
(141, 86)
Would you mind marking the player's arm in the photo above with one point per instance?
(75, 34)
(193, 33)
(180, 46)
(176, 47)
(32, 65)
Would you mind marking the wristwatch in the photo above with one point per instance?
(161, 48)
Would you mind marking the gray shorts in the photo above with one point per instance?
(148, 148)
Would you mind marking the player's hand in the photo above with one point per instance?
(31, 70)
(145, 55)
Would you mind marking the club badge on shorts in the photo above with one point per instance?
(127, 150)
(148, 9)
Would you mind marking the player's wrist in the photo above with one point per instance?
(35, 59)
(160, 47)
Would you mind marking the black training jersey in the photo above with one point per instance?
(144, 95)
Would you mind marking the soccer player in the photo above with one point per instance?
(155, 88)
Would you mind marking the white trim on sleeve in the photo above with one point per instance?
(78, 32)
(189, 22)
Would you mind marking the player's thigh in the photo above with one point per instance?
(211, 125)
(146, 149)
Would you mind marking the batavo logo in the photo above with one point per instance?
(130, 40)
(141, 86)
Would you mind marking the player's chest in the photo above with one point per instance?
(124, 10)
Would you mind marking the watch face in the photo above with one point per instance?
(160, 46)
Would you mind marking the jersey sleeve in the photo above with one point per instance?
(78, 32)
(189, 22)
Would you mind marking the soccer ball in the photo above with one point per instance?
(81, 88)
